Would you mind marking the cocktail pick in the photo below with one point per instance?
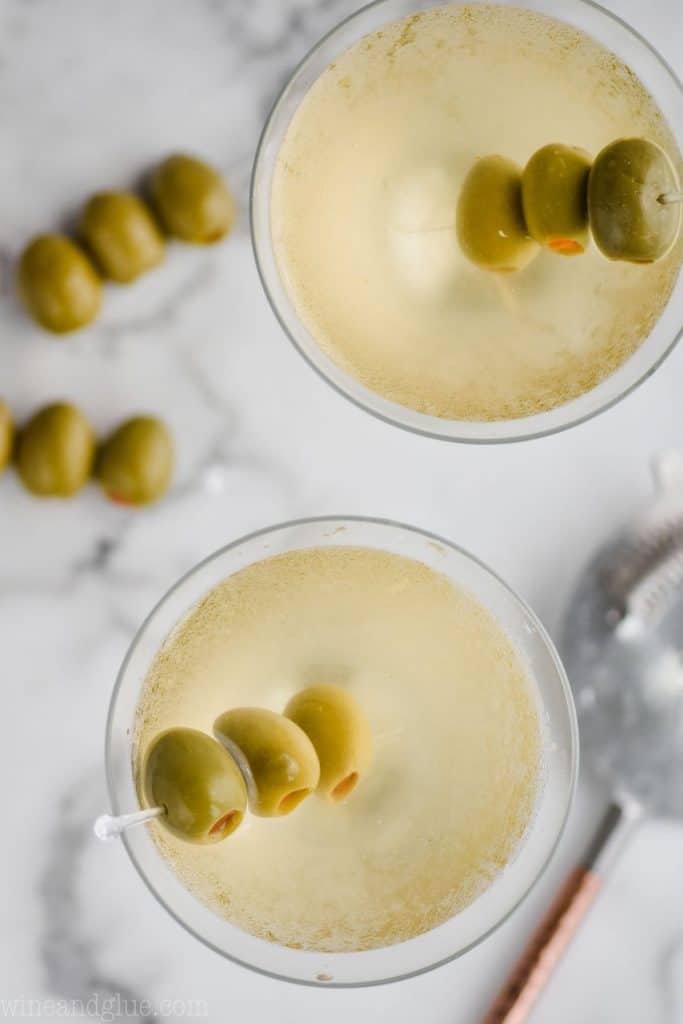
(670, 197)
(108, 826)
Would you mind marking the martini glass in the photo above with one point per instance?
(559, 756)
(614, 34)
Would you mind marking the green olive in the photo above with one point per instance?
(59, 285)
(6, 435)
(55, 451)
(192, 200)
(554, 198)
(282, 761)
(135, 464)
(197, 782)
(627, 219)
(490, 222)
(334, 722)
(122, 235)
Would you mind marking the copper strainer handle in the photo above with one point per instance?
(531, 972)
(533, 969)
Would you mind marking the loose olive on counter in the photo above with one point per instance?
(489, 221)
(58, 284)
(6, 435)
(197, 782)
(55, 451)
(627, 219)
(555, 200)
(135, 465)
(122, 235)
(334, 722)
(281, 758)
(192, 200)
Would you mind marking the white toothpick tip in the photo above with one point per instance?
(670, 197)
(108, 827)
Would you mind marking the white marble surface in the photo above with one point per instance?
(91, 92)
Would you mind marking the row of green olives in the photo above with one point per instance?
(56, 453)
(505, 213)
(321, 743)
(60, 280)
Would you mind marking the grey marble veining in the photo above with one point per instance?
(91, 94)
(69, 959)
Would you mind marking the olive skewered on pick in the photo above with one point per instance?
(628, 188)
(490, 219)
(554, 198)
(197, 783)
(281, 759)
(333, 721)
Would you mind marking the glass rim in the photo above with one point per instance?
(569, 708)
(395, 414)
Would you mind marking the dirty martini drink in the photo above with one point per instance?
(364, 210)
(438, 798)
(348, 747)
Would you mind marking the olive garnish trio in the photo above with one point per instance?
(627, 199)
(321, 743)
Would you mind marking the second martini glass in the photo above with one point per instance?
(664, 89)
